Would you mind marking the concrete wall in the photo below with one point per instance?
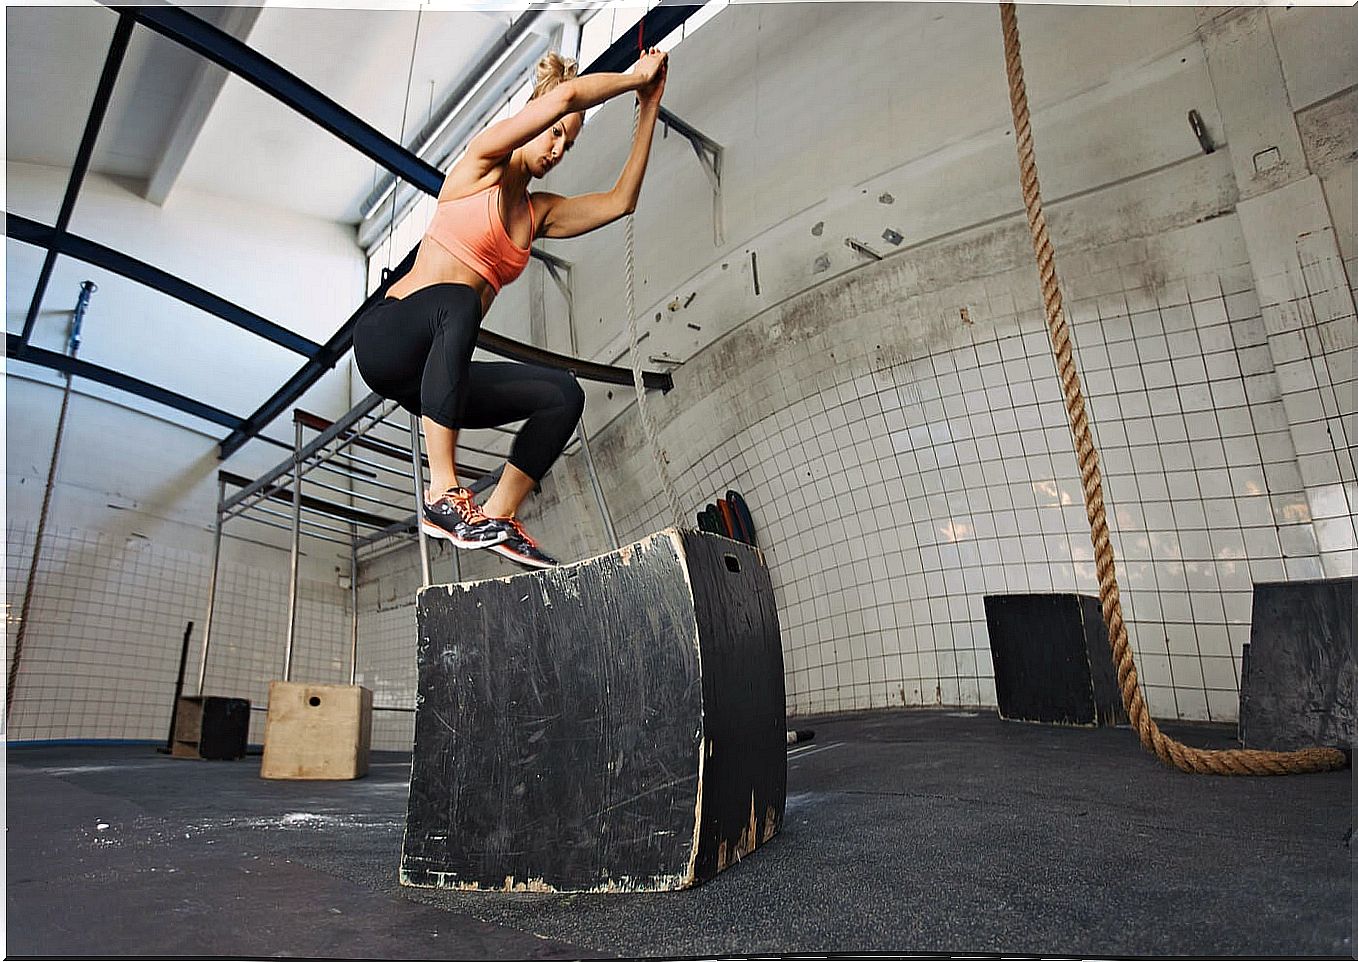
(896, 425)
(127, 551)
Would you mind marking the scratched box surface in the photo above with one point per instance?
(1300, 670)
(612, 725)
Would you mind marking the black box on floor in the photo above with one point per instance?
(612, 725)
(209, 726)
(1296, 685)
(1052, 661)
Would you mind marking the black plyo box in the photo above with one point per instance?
(1297, 683)
(1052, 660)
(210, 726)
(612, 725)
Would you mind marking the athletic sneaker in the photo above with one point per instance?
(457, 518)
(521, 548)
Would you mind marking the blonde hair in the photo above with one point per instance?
(553, 70)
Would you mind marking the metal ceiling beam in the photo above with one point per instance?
(107, 79)
(310, 372)
(248, 64)
(58, 241)
(656, 25)
(227, 51)
(123, 382)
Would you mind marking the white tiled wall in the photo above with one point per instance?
(1312, 336)
(107, 623)
(902, 463)
(387, 640)
(85, 629)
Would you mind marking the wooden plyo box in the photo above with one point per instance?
(1300, 667)
(317, 731)
(210, 726)
(1052, 660)
(612, 725)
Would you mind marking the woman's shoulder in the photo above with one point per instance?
(459, 184)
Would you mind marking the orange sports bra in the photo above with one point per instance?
(471, 230)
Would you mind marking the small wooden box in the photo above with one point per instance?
(317, 731)
(208, 726)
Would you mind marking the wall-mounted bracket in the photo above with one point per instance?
(709, 154)
(861, 248)
(559, 270)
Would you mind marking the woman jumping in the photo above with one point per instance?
(415, 345)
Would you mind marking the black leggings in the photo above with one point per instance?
(417, 350)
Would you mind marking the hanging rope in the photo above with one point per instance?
(405, 105)
(647, 422)
(1229, 762)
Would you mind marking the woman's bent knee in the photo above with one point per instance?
(572, 394)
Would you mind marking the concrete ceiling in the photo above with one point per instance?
(177, 121)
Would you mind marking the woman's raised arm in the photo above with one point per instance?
(498, 141)
(571, 216)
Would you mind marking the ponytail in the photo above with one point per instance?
(553, 70)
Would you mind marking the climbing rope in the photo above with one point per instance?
(25, 610)
(1188, 759)
(647, 422)
(405, 105)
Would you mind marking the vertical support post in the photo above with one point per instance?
(353, 599)
(594, 483)
(178, 689)
(212, 585)
(418, 478)
(296, 549)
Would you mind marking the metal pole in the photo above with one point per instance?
(212, 584)
(306, 522)
(353, 597)
(296, 551)
(352, 494)
(418, 476)
(355, 478)
(594, 483)
(178, 689)
(82, 302)
(288, 527)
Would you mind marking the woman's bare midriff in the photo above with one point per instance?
(435, 265)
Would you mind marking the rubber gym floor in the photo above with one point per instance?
(906, 832)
